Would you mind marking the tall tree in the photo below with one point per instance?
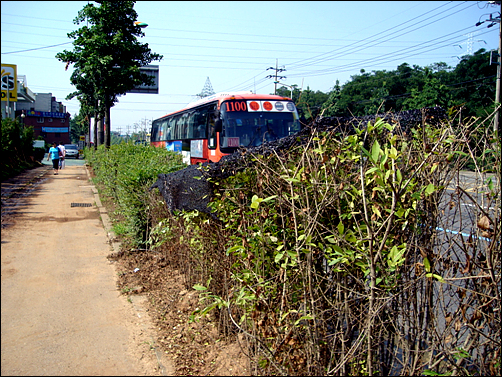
(331, 107)
(473, 84)
(107, 55)
(431, 92)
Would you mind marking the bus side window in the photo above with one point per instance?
(201, 124)
(181, 125)
(170, 129)
(212, 130)
(155, 131)
(163, 129)
(176, 129)
(191, 125)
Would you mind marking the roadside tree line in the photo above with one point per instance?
(469, 86)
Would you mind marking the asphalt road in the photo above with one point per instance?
(68, 162)
(460, 210)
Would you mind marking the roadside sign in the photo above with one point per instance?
(152, 71)
(9, 82)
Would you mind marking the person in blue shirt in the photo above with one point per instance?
(54, 156)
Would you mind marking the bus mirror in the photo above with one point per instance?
(217, 125)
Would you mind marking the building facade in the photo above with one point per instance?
(48, 118)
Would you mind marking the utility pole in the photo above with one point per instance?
(276, 77)
(493, 21)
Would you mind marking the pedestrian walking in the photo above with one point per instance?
(54, 156)
(62, 155)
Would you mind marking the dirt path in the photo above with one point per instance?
(61, 312)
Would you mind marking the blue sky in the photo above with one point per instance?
(234, 43)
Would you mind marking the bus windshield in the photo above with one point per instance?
(248, 128)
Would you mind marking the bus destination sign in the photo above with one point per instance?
(252, 106)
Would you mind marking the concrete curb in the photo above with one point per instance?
(105, 219)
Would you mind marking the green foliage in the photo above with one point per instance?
(331, 107)
(324, 247)
(16, 148)
(432, 92)
(107, 56)
(125, 172)
(79, 125)
(470, 86)
(349, 208)
(308, 102)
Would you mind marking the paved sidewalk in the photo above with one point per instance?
(61, 312)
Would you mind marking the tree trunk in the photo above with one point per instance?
(96, 126)
(100, 130)
(107, 124)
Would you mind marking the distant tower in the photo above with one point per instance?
(207, 90)
(469, 44)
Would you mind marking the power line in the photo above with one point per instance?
(370, 40)
(33, 49)
(277, 78)
(400, 54)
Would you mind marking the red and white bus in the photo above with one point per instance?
(215, 126)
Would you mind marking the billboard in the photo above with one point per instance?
(152, 71)
(9, 82)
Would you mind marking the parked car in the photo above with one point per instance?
(71, 151)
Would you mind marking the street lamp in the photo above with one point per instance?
(289, 86)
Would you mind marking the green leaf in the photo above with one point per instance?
(291, 253)
(438, 277)
(427, 265)
(400, 212)
(429, 189)
(399, 176)
(341, 228)
(461, 354)
(269, 198)
(429, 372)
(395, 257)
(331, 239)
(255, 201)
(376, 211)
(303, 318)
(199, 287)
(337, 260)
(292, 180)
(278, 257)
(372, 170)
(393, 153)
(233, 249)
(375, 151)
(461, 153)
(387, 174)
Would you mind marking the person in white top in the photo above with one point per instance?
(63, 153)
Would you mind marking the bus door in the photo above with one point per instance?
(214, 131)
(204, 141)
